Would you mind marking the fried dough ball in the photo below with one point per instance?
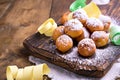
(106, 22)
(85, 34)
(65, 17)
(100, 38)
(64, 43)
(94, 24)
(81, 15)
(58, 32)
(73, 28)
(86, 47)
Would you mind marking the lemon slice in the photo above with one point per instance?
(92, 10)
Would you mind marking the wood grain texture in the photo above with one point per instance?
(39, 44)
(112, 10)
(59, 7)
(5, 5)
(23, 18)
(95, 66)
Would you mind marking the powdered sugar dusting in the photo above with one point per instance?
(60, 29)
(81, 11)
(74, 24)
(105, 19)
(94, 22)
(80, 14)
(64, 40)
(86, 42)
(98, 34)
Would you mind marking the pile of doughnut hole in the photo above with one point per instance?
(89, 33)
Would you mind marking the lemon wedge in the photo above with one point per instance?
(92, 10)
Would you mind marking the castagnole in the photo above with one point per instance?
(73, 28)
(85, 34)
(64, 43)
(100, 38)
(106, 22)
(58, 32)
(86, 47)
(94, 24)
(65, 17)
(81, 15)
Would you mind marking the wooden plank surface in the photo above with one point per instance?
(95, 66)
(22, 20)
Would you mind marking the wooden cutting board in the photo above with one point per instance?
(95, 66)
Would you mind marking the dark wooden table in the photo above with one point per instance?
(21, 18)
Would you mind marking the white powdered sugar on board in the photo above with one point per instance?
(58, 73)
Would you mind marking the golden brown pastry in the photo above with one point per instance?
(81, 15)
(64, 17)
(94, 24)
(64, 43)
(106, 22)
(73, 28)
(86, 47)
(58, 32)
(85, 34)
(100, 38)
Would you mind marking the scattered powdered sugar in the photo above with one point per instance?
(94, 22)
(74, 24)
(56, 71)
